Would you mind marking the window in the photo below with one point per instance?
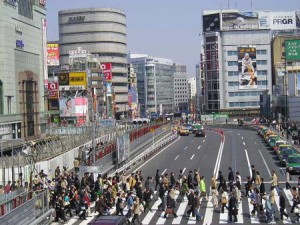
(232, 63)
(262, 72)
(262, 82)
(230, 53)
(233, 73)
(261, 52)
(233, 84)
(1, 97)
(261, 62)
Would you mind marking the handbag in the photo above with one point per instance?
(224, 200)
(169, 211)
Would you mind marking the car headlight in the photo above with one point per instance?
(290, 168)
(284, 160)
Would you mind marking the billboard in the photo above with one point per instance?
(63, 79)
(240, 21)
(67, 106)
(77, 78)
(297, 19)
(211, 22)
(52, 54)
(106, 70)
(292, 49)
(81, 106)
(108, 89)
(123, 147)
(283, 20)
(264, 19)
(247, 68)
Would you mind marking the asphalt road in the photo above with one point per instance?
(241, 149)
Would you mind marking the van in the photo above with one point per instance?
(109, 220)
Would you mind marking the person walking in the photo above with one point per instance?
(274, 182)
(220, 179)
(287, 180)
(232, 208)
(100, 206)
(191, 203)
(59, 210)
(282, 206)
(147, 199)
(184, 189)
(161, 193)
(203, 188)
(296, 199)
(157, 176)
(119, 205)
(136, 211)
(214, 199)
(197, 207)
(170, 206)
(230, 178)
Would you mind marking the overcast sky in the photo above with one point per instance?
(165, 28)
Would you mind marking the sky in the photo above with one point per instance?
(165, 28)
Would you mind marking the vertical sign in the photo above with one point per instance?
(106, 70)
(247, 68)
(44, 40)
(292, 49)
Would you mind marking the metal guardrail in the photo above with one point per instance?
(11, 195)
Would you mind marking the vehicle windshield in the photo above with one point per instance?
(294, 160)
(289, 152)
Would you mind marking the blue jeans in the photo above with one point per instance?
(198, 215)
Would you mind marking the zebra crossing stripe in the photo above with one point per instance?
(180, 212)
(150, 214)
(224, 216)
(209, 212)
(240, 217)
(289, 196)
(161, 219)
(254, 219)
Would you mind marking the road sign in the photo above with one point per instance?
(292, 49)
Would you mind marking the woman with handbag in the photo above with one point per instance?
(224, 201)
(136, 211)
(67, 204)
(215, 194)
(170, 205)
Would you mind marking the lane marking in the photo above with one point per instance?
(180, 212)
(203, 140)
(242, 138)
(209, 212)
(252, 138)
(192, 156)
(199, 147)
(265, 163)
(176, 157)
(218, 161)
(183, 170)
(164, 171)
(150, 214)
(192, 141)
(255, 142)
(156, 155)
(244, 143)
(185, 148)
(248, 161)
(239, 134)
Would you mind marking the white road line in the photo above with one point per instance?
(244, 143)
(239, 134)
(249, 165)
(252, 138)
(156, 155)
(253, 219)
(199, 147)
(240, 217)
(183, 170)
(180, 212)
(192, 141)
(288, 195)
(164, 171)
(217, 167)
(242, 138)
(192, 156)
(224, 216)
(255, 142)
(209, 212)
(265, 163)
(150, 214)
(185, 148)
(161, 219)
(176, 157)
(203, 141)
(285, 220)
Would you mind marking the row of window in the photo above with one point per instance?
(244, 93)
(236, 73)
(243, 104)
(258, 52)
(258, 62)
(235, 84)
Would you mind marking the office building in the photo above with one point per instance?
(155, 84)
(181, 98)
(102, 33)
(23, 68)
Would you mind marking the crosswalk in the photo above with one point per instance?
(207, 211)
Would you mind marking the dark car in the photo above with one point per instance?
(109, 220)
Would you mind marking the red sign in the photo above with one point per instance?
(106, 70)
(53, 94)
(52, 86)
(53, 54)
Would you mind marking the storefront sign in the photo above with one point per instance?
(52, 86)
(79, 52)
(77, 78)
(63, 79)
(292, 48)
(53, 54)
(75, 19)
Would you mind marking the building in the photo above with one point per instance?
(23, 68)
(154, 83)
(181, 98)
(238, 65)
(133, 93)
(102, 33)
(192, 87)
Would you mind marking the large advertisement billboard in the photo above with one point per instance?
(283, 20)
(67, 107)
(52, 54)
(211, 22)
(81, 106)
(123, 147)
(240, 21)
(77, 78)
(264, 20)
(106, 70)
(247, 68)
(297, 19)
